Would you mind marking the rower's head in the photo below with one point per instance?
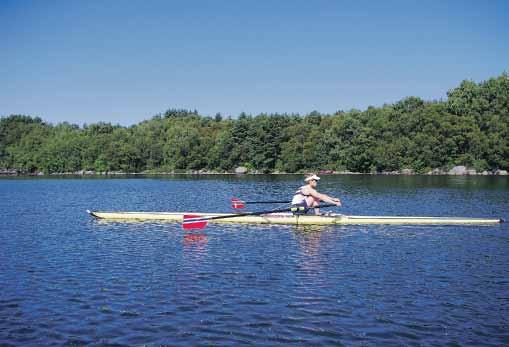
(312, 179)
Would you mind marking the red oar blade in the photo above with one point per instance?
(238, 204)
(192, 221)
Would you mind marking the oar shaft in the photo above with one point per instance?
(263, 212)
(267, 202)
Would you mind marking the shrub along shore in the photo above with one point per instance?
(466, 134)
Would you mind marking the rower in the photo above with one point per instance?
(307, 196)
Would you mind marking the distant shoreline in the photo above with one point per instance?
(436, 172)
(466, 134)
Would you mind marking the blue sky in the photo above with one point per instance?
(125, 61)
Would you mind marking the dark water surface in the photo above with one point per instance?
(66, 279)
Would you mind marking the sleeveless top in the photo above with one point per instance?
(299, 197)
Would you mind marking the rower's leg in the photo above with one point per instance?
(312, 203)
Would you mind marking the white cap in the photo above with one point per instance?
(313, 177)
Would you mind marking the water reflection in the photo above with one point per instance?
(194, 247)
(311, 239)
(191, 239)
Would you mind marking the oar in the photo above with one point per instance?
(237, 203)
(192, 221)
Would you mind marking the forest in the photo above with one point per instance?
(470, 128)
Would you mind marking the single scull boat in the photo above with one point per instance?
(289, 218)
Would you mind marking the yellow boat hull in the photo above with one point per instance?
(287, 218)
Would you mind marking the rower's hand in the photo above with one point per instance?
(337, 201)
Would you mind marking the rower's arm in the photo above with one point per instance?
(324, 197)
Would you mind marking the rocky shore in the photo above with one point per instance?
(455, 171)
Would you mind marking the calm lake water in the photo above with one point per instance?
(66, 279)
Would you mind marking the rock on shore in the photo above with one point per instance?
(241, 170)
(458, 171)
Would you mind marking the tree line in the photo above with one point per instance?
(470, 127)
